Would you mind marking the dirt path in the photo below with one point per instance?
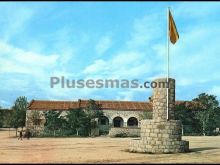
(99, 150)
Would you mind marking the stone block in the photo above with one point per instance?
(159, 135)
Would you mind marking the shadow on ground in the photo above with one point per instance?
(202, 149)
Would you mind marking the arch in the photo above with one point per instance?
(103, 120)
(118, 122)
(132, 122)
(117, 115)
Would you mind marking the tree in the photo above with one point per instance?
(1, 117)
(207, 113)
(19, 112)
(186, 115)
(8, 118)
(92, 112)
(54, 121)
(76, 119)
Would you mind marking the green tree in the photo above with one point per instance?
(8, 118)
(19, 112)
(207, 113)
(92, 111)
(76, 120)
(5, 118)
(54, 122)
(1, 117)
(186, 115)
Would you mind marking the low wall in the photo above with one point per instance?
(124, 132)
(7, 129)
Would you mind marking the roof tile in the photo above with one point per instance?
(104, 104)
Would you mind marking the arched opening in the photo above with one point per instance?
(103, 125)
(118, 122)
(132, 122)
(103, 120)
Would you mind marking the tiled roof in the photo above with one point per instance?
(104, 105)
(52, 105)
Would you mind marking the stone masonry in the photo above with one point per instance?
(161, 135)
(130, 132)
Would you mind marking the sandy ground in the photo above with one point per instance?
(99, 150)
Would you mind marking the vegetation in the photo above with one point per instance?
(19, 112)
(54, 122)
(202, 117)
(16, 116)
(5, 118)
(187, 117)
(1, 117)
(77, 122)
(92, 112)
(207, 113)
(124, 135)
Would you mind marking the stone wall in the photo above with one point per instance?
(125, 115)
(160, 100)
(122, 132)
(35, 129)
(110, 114)
(161, 135)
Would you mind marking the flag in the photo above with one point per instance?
(173, 34)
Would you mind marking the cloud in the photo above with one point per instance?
(198, 47)
(123, 65)
(5, 103)
(146, 30)
(215, 90)
(137, 59)
(138, 52)
(25, 72)
(14, 20)
(97, 66)
(193, 59)
(16, 60)
(139, 56)
(103, 44)
(187, 11)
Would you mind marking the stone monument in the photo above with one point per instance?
(161, 135)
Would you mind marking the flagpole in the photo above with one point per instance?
(168, 52)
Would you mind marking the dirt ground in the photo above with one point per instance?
(99, 150)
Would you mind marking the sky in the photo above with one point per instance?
(106, 40)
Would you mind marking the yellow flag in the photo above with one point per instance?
(174, 36)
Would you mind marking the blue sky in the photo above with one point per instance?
(125, 40)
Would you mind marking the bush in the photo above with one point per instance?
(125, 135)
(103, 132)
(121, 135)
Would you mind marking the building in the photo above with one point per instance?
(120, 117)
(117, 114)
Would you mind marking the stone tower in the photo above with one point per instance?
(161, 135)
